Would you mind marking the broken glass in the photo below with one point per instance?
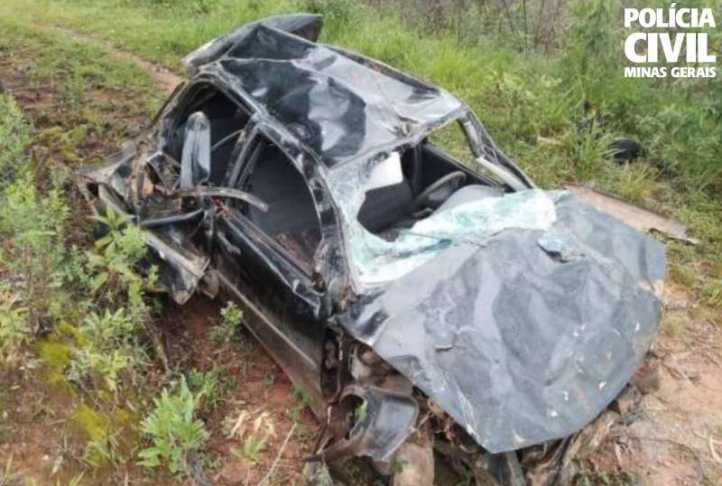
(378, 260)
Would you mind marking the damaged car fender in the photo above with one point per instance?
(518, 344)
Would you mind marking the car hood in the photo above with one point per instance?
(529, 335)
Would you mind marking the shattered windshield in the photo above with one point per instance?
(395, 223)
(377, 260)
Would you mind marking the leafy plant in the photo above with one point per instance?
(105, 346)
(101, 451)
(250, 449)
(14, 137)
(117, 254)
(231, 319)
(206, 386)
(302, 400)
(712, 293)
(254, 434)
(335, 11)
(173, 431)
(107, 366)
(13, 325)
(110, 329)
(32, 229)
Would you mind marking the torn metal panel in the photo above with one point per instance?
(181, 266)
(638, 218)
(383, 421)
(516, 344)
(181, 270)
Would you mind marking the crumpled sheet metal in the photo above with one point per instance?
(303, 25)
(339, 105)
(519, 345)
(385, 421)
(183, 269)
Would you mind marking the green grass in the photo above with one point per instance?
(99, 98)
(14, 139)
(74, 340)
(532, 103)
(520, 96)
(173, 430)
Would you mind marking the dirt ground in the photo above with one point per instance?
(34, 430)
(676, 436)
(258, 386)
(674, 439)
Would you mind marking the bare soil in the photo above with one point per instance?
(256, 385)
(675, 438)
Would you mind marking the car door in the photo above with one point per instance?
(265, 260)
(170, 187)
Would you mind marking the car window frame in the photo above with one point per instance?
(170, 114)
(238, 171)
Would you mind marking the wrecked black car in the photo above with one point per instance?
(425, 300)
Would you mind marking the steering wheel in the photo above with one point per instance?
(439, 191)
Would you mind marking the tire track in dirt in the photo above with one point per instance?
(163, 77)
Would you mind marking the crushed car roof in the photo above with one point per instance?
(339, 105)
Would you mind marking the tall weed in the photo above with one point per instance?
(14, 137)
(173, 431)
(31, 232)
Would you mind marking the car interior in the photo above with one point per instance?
(226, 119)
(291, 218)
(209, 128)
(430, 179)
(433, 180)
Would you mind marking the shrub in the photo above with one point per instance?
(13, 326)
(173, 430)
(115, 264)
(14, 137)
(231, 318)
(45, 273)
(31, 226)
(206, 386)
(333, 11)
(107, 347)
